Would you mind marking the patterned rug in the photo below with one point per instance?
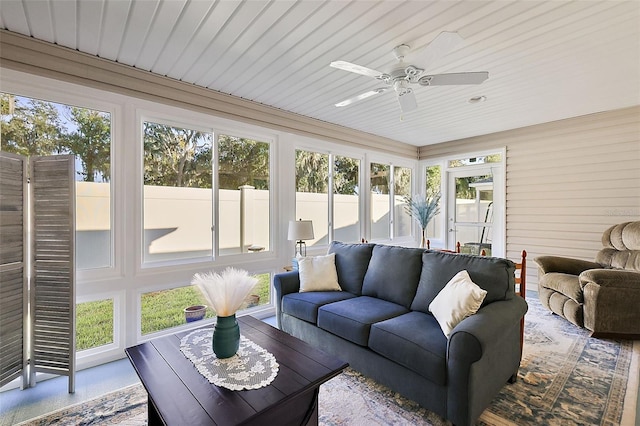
(566, 378)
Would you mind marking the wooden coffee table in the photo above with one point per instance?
(180, 395)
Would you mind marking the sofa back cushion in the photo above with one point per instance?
(492, 274)
(393, 274)
(621, 247)
(352, 261)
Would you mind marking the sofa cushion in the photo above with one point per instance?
(305, 305)
(393, 274)
(567, 284)
(415, 341)
(352, 261)
(492, 274)
(351, 319)
(460, 298)
(318, 273)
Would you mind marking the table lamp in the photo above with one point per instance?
(300, 230)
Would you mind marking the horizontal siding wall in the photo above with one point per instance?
(567, 182)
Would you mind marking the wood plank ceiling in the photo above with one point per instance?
(547, 60)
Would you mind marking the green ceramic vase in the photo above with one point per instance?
(226, 337)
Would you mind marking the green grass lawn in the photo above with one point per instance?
(160, 310)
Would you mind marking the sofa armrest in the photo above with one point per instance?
(564, 265)
(614, 278)
(285, 283)
(482, 354)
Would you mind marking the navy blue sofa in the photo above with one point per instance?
(381, 325)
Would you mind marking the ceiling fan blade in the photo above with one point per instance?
(358, 69)
(362, 96)
(407, 101)
(444, 43)
(454, 78)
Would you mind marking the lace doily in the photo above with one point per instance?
(252, 367)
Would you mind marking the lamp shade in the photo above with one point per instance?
(300, 230)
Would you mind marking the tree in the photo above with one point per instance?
(346, 174)
(380, 178)
(90, 141)
(176, 157)
(32, 129)
(242, 161)
(402, 181)
(312, 172)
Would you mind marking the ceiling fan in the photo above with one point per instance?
(402, 76)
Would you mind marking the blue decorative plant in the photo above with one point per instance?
(423, 208)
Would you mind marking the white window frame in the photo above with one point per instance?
(413, 238)
(141, 118)
(271, 139)
(332, 151)
(47, 90)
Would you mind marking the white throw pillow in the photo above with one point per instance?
(459, 299)
(318, 273)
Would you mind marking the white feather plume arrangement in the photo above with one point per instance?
(225, 291)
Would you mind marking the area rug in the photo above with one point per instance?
(566, 378)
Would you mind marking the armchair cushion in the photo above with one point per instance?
(624, 259)
(567, 284)
(615, 278)
(564, 265)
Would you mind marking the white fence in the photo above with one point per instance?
(178, 222)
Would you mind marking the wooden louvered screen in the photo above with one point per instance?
(13, 276)
(53, 266)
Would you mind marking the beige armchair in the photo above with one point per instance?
(602, 296)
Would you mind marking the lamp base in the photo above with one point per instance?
(301, 248)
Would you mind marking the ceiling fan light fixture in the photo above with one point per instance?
(477, 99)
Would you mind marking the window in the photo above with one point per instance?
(389, 218)
(402, 189)
(312, 192)
(177, 193)
(243, 195)
(471, 161)
(35, 127)
(380, 211)
(94, 324)
(335, 214)
(161, 310)
(346, 199)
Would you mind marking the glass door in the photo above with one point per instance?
(475, 211)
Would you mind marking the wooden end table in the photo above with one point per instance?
(180, 395)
